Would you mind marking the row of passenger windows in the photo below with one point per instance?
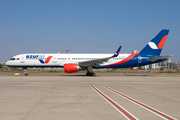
(77, 58)
(121, 58)
(84, 58)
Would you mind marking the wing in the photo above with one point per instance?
(159, 58)
(97, 62)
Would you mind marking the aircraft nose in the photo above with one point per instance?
(8, 63)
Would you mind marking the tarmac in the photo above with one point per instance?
(79, 97)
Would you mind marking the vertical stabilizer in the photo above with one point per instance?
(155, 46)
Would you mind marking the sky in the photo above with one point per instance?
(86, 26)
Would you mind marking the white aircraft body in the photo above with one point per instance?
(75, 62)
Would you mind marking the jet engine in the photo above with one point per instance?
(71, 68)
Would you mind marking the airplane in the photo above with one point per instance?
(75, 62)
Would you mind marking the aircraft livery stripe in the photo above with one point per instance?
(161, 43)
(123, 111)
(48, 59)
(41, 61)
(125, 60)
(161, 114)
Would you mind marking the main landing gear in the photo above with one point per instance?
(90, 74)
(89, 71)
(25, 72)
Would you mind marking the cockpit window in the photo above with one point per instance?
(12, 59)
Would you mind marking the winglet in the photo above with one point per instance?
(117, 52)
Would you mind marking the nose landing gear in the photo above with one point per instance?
(25, 72)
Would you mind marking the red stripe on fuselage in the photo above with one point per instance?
(48, 59)
(125, 60)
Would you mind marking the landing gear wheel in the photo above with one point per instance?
(87, 74)
(90, 74)
(25, 72)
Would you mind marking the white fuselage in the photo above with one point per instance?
(58, 60)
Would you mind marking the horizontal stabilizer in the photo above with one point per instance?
(159, 58)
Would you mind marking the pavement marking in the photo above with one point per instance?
(119, 108)
(157, 112)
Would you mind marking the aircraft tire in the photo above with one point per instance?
(90, 74)
(93, 74)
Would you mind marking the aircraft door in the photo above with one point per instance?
(54, 59)
(22, 59)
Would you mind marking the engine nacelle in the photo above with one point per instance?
(71, 68)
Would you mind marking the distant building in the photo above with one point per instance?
(150, 67)
(3, 63)
(172, 66)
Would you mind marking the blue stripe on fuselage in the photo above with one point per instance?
(139, 60)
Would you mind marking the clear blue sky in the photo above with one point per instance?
(86, 26)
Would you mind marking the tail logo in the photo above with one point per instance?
(46, 61)
(152, 45)
(160, 45)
